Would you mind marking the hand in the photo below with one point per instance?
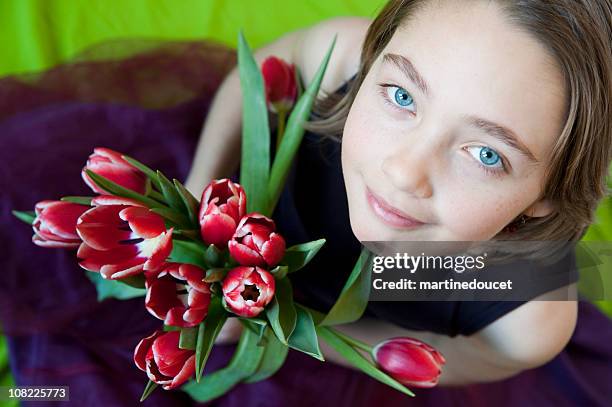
(230, 332)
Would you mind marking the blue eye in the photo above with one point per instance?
(398, 97)
(487, 158)
(402, 97)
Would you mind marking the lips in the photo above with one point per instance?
(390, 215)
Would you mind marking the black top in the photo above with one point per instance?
(314, 205)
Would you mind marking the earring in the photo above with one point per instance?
(514, 225)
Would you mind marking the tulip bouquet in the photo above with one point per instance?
(199, 262)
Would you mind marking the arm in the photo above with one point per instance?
(218, 152)
(525, 338)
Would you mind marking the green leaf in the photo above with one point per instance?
(148, 188)
(254, 320)
(300, 255)
(358, 360)
(152, 175)
(137, 281)
(255, 160)
(25, 216)
(148, 390)
(244, 363)
(116, 189)
(190, 202)
(293, 135)
(191, 234)
(279, 272)
(207, 332)
(169, 191)
(281, 311)
(261, 338)
(256, 325)
(274, 355)
(113, 288)
(188, 252)
(304, 336)
(353, 299)
(188, 338)
(82, 200)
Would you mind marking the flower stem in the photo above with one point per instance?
(281, 128)
(318, 316)
(352, 341)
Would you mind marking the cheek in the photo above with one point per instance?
(475, 214)
(362, 135)
(357, 135)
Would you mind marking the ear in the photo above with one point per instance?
(540, 208)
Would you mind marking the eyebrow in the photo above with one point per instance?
(502, 133)
(409, 70)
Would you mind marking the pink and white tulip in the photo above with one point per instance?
(222, 206)
(109, 164)
(121, 238)
(55, 224)
(164, 362)
(409, 361)
(247, 290)
(178, 295)
(255, 242)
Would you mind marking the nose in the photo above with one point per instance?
(408, 169)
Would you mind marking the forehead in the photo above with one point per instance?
(478, 63)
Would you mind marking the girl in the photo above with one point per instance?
(456, 120)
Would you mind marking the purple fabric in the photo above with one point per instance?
(58, 333)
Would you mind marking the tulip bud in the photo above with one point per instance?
(409, 361)
(111, 165)
(247, 290)
(177, 295)
(280, 83)
(164, 362)
(55, 224)
(223, 205)
(121, 239)
(255, 242)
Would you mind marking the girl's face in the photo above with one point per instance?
(453, 127)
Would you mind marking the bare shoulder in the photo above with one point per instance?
(533, 333)
(344, 62)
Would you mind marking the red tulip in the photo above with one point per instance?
(121, 239)
(111, 165)
(409, 361)
(280, 83)
(55, 224)
(247, 290)
(177, 295)
(223, 204)
(255, 242)
(164, 362)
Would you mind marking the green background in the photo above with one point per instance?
(37, 35)
(40, 34)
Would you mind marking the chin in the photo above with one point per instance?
(363, 234)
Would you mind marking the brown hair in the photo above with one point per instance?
(578, 34)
